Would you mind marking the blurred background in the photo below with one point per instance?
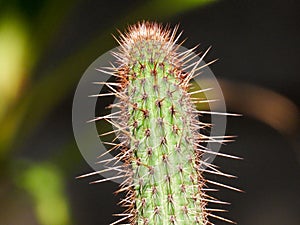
(45, 46)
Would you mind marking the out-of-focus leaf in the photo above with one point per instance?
(21, 43)
(158, 9)
(263, 104)
(13, 58)
(45, 185)
(15, 63)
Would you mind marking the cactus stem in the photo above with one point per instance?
(160, 139)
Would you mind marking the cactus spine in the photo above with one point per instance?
(160, 140)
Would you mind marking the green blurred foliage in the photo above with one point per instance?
(44, 183)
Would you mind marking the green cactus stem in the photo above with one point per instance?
(161, 142)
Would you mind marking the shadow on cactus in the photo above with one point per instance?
(159, 137)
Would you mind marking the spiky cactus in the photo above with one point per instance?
(160, 139)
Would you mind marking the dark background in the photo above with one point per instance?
(257, 43)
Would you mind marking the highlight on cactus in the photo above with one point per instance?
(158, 134)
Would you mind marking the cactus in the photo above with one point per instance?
(160, 139)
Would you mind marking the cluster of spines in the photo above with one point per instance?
(160, 140)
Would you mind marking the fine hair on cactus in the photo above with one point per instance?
(158, 133)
